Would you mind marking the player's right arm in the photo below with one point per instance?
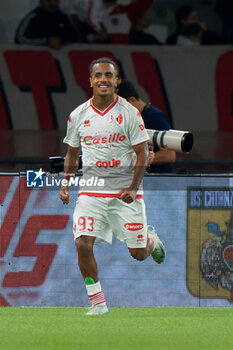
(70, 168)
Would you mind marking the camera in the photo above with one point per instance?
(57, 164)
(176, 140)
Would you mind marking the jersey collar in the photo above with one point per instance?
(102, 113)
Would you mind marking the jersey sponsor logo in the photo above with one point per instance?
(142, 126)
(108, 164)
(89, 140)
(87, 123)
(133, 226)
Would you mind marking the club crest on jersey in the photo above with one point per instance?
(119, 119)
(87, 123)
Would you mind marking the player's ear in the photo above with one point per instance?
(118, 81)
(91, 84)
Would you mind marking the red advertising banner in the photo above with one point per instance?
(40, 87)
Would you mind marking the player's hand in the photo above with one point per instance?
(151, 157)
(127, 195)
(150, 154)
(65, 195)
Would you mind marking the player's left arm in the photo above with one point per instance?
(128, 195)
(70, 168)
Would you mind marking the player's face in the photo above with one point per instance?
(103, 79)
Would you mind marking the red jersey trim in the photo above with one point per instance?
(106, 110)
(110, 195)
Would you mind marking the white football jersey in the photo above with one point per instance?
(106, 138)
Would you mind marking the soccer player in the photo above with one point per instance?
(113, 139)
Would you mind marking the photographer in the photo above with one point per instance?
(160, 159)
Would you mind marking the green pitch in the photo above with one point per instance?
(123, 329)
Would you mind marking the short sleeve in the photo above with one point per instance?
(72, 136)
(137, 131)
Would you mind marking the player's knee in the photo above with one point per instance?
(84, 245)
(138, 254)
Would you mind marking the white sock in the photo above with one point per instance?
(95, 294)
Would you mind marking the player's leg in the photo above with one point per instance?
(86, 259)
(130, 226)
(88, 268)
(88, 220)
(154, 247)
(143, 253)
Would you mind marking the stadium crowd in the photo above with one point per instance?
(58, 22)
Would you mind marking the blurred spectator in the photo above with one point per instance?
(191, 36)
(160, 159)
(80, 13)
(107, 20)
(185, 16)
(118, 20)
(138, 34)
(224, 8)
(46, 25)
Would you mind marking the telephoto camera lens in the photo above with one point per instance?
(176, 140)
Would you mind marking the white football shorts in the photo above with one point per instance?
(103, 217)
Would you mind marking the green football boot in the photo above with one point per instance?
(159, 252)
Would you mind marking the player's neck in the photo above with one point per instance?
(103, 102)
